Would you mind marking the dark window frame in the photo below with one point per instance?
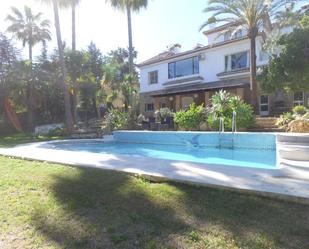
(299, 102)
(151, 77)
(228, 59)
(172, 65)
(147, 105)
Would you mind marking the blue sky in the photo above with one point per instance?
(164, 22)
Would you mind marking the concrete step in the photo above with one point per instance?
(266, 126)
(266, 129)
(85, 136)
(265, 121)
(294, 152)
(293, 146)
(293, 138)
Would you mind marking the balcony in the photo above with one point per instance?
(234, 73)
(186, 80)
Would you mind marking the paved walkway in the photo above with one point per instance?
(287, 181)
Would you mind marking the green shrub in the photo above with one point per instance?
(285, 119)
(300, 110)
(115, 120)
(192, 118)
(223, 106)
(58, 132)
(163, 113)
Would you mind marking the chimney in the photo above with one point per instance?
(175, 48)
(198, 45)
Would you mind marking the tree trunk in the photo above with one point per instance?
(74, 95)
(67, 103)
(253, 82)
(130, 41)
(94, 106)
(73, 27)
(30, 97)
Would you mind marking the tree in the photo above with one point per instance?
(95, 63)
(129, 6)
(287, 18)
(254, 16)
(67, 102)
(289, 71)
(119, 87)
(30, 29)
(8, 57)
(120, 59)
(72, 4)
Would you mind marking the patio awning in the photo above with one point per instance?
(203, 86)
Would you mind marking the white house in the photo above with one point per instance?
(176, 79)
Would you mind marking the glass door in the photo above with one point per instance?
(264, 105)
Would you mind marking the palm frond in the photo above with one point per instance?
(28, 27)
(134, 5)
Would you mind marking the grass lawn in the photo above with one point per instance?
(53, 206)
(10, 141)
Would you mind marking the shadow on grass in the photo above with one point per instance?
(102, 209)
(22, 138)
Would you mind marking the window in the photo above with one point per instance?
(236, 61)
(237, 34)
(227, 36)
(264, 105)
(149, 107)
(263, 56)
(186, 101)
(163, 105)
(298, 98)
(153, 77)
(183, 68)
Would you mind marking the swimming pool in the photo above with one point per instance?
(242, 149)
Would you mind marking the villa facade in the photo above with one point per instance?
(175, 79)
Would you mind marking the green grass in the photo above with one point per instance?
(52, 206)
(10, 141)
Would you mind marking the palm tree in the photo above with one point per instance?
(71, 4)
(129, 6)
(254, 16)
(67, 102)
(30, 29)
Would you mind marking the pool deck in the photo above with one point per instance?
(290, 180)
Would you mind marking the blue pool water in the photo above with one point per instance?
(253, 158)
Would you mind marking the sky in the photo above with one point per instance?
(165, 22)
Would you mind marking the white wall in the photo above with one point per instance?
(162, 68)
(213, 64)
(218, 37)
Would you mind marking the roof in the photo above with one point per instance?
(170, 55)
(218, 29)
(201, 86)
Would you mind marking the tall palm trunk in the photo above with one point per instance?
(30, 97)
(130, 41)
(253, 82)
(67, 103)
(73, 27)
(74, 94)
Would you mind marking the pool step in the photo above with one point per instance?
(226, 143)
(293, 147)
(293, 138)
